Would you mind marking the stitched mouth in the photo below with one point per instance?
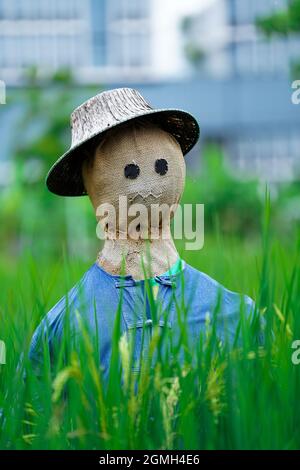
(144, 196)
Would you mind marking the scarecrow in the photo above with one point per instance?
(124, 148)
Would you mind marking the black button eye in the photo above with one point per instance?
(131, 171)
(161, 166)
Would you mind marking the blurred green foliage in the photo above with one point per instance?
(230, 201)
(283, 22)
(31, 216)
(222, 397)
(214, 410)
(34, 219)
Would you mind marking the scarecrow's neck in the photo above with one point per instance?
(128, 257)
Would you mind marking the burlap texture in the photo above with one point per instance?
(98, 116)
(141, 144)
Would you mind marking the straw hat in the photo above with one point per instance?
(103, 112)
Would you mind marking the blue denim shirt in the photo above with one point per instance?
(97, 295)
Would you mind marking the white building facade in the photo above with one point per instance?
(100, 40)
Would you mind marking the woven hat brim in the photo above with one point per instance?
(65, 176)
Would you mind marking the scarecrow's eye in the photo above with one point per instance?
(161, 166)
(131, 171)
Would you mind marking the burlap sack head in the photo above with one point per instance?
(138, 161)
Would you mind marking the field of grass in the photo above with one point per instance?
(222, 398)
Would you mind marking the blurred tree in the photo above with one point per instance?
(283, 22)
(231, 202)
(194, 54)
(32, 217)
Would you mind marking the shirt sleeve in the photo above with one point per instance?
(46, 339)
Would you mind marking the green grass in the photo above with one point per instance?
(242, 398)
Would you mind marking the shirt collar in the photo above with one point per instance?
(168, 278)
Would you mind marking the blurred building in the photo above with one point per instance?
(256, 122)
(99, 40)
(206, 56)
(230, 44)
(45, 34)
